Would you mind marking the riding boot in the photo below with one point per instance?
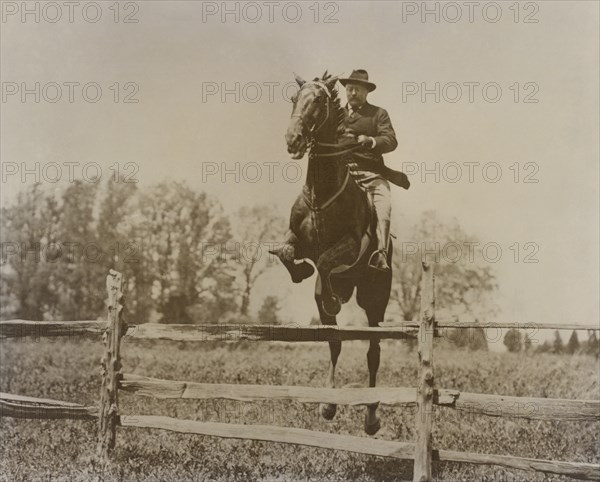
(378, 259)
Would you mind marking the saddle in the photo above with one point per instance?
(368, 245)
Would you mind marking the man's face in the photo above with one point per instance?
(356, 94)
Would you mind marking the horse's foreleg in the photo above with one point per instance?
(328, 410)
(373, 357)
(288, 253)
(344, 251)
(372, 422)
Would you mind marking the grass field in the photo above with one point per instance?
(69, 370)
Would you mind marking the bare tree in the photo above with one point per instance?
(255, 228)
(464, 282)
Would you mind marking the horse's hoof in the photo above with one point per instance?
(284, 253)
(332, 306)
(328, 410)
(373, 428)
(302, 271)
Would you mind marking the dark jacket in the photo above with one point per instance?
(374, 122)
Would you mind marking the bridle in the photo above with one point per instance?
(314, 129)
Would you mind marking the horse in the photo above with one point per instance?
(332, 224)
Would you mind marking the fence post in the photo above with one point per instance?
(424, 416)
(110, 366)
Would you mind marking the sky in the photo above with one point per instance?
(534, 112)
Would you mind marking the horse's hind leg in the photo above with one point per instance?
(372, 422)
(290, 251)
(328, 410)
(372, 296)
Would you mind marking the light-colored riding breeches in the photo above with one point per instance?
(378, 189)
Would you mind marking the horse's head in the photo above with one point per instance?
(312, 110)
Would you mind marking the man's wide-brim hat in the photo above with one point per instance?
(360, 77)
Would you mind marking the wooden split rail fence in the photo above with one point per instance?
(424, 397)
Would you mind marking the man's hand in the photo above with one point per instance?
(365, 141)
(348, 133)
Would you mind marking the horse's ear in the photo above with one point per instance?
(330, 83)
(299, 79)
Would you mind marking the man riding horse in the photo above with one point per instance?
(331, 222)
(372, 128)
(361, 133)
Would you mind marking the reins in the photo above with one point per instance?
(330, 201)
(337, 153)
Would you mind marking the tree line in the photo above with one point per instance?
(186, 261)
(517, 341)
(183, 259)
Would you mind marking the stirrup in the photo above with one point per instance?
(378, 268)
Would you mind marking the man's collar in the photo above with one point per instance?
(358, 109)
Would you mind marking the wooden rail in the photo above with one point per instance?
(168, 389)
(490, 325)
(349, 443)
(20, 328)
(157, 331)
(471, 403)
(18, 406)
(232, 332)
(527, 407)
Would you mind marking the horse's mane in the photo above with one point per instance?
(339, 112)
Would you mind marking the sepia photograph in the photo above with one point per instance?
(301, 240)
